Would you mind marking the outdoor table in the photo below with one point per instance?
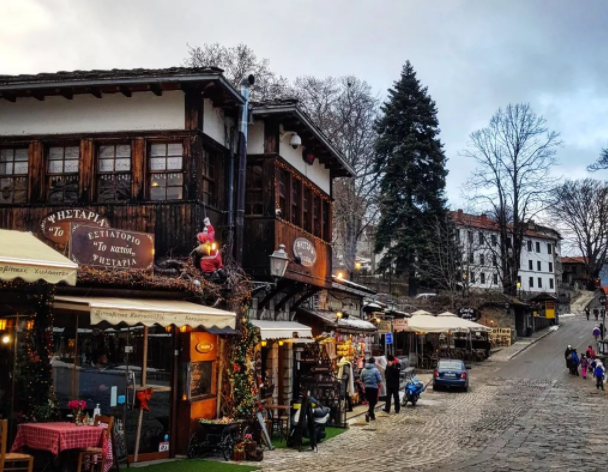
(278, 421)
(56, 438)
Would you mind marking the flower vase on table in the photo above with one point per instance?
(77, 407)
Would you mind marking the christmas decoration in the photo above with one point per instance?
(241, 375)
(211, 258)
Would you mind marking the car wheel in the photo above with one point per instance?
(465, 389)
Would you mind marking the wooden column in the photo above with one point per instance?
(138, 168)
(86, 178)
(37, 173)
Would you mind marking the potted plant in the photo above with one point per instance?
(238, 454)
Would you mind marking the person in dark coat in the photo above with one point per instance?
(392, 374)
(568, 357)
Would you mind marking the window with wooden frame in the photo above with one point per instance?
(254, 193)
(326, 220)
(316, 216)
(307, 210)
(62, 174)
(296, 201)
(283, 190)
(166, 171)
(209, 175)
(13, 175)
(113, 172)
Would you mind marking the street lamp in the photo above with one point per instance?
(339, 315)
(519, 290)
(279, 260)
(357, 265)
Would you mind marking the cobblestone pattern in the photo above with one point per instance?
(452, 426)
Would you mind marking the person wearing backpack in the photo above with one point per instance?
(574, 362)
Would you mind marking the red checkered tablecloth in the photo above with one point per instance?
(58, 437)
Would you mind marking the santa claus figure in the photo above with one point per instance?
(211, 258)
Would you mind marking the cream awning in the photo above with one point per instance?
(23, 256)
(282, 330)
(435, 324)
(421, 312)
(147, 312)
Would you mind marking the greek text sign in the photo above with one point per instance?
(400, 324)
(56, 226)
(109, 247)
(306, 251)
(470, 314)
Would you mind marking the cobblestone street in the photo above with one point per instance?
(527, 414)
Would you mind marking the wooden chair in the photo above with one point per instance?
(90, 453)
(12, 461)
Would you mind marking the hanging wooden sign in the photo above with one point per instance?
(56, 226)
(470, 314)
(110, 247)
(306, 251)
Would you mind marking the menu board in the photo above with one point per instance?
(200, 379)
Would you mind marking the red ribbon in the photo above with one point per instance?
(143, 397)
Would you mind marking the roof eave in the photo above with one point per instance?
(185, 78)
(348, 171)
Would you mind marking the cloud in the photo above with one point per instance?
(474, 56)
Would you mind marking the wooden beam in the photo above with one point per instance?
(95, 92)
(67, 94)
(9, 96)
(156, 90)
(125, 91)
(38, 97)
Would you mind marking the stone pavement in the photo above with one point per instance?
(525, 414)
(508, 353)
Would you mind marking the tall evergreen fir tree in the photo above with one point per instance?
(410, 158)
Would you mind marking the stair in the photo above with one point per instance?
(584, 298)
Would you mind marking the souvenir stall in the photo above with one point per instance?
(345, 343)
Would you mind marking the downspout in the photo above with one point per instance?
(246, 84)
(229, 223)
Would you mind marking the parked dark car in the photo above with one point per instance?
(451, 373)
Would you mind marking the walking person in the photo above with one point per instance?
(574, 362)
(584, 366)
(392, 374)
(590, 353)
(599, 374)
(596, 333)
(587, 312)
(596, 313)
(568, 356)
(371, 378)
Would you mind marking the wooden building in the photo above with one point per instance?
(145, 154)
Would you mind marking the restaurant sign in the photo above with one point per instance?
(385, 326)
(110, 247)
(470, 314)
(400, 324)
(56, 226)
(305, 250)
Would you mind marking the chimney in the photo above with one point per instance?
(459, 212)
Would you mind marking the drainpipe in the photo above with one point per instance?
(246, 84)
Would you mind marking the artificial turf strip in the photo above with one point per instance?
(330, 433)
(197, 465)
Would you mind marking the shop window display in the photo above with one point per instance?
(103, 366)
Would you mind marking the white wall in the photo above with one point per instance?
(544, 274)
(255, 138)
(317, 173)
(88, 114)
(216, 124)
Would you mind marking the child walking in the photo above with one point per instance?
(599, 374)
(584, 365)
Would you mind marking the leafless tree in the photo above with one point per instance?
(345, 109)
(581, 208)
(601, 163)
(238, 61)
(515, 154)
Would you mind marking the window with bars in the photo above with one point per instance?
(254, 194)
(283, 181)
(307, 210)
(13, 175)
(209, 173)
(114, 172)
(166, 171)
(62, 174)
(296, 196)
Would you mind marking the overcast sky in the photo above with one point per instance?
(474, 56)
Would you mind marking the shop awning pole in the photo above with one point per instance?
(220, 377)
(144, 378)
